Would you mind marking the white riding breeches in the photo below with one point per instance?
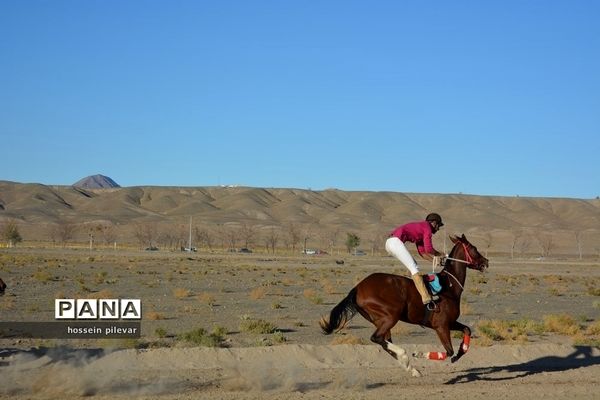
(396, 248)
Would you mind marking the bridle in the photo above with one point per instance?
(468, 261)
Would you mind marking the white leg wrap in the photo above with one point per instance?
(403, 359)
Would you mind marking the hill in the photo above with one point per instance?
(497, 222)
(96, 182)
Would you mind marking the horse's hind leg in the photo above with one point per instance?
(381, 336)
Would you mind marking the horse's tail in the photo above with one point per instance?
(341, 314)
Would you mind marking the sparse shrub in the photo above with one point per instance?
(563, 324)
(476, 290)
(593, 291)
(347, 339)
(258, 293)
(100, 277)
(201, 337)
(207, 298)
(154, 316)
(181, 293)
(554, 291)
(312, 295)
(103, 294)
(258, 326)
(328, 287)
(43, 276)
(278, 337)
(160, 332)
(593, 329)
(517, 330)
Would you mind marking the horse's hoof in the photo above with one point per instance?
(415, 373)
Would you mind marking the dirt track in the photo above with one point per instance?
(303, 372)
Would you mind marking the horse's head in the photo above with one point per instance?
(470, 255)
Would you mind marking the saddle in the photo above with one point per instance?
(433, 283)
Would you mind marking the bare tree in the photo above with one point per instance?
(203, 237)
(232, 236)
(107, 233)
(331, 239)
(63, 232)
(579, 240)
(248, 235)
(546, 242)
(221, 233)
(523, 244)
(146, 234)
(293, 236)
(516, 236)
(271, 239)
(168, 238)
(306, 235)
(376, 241)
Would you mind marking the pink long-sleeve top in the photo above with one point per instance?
(418, 233)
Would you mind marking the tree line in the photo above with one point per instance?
(292, 237)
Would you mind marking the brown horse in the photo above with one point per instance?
(385, 299)
(2, 287)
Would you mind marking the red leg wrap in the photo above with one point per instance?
(465, 343)
(436, 355)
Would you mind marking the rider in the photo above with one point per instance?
(419, 233)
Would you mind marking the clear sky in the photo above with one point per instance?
(477, 97)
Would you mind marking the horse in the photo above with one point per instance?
(384, 299)
(2, 287)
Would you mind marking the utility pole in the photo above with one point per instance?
(190, 238)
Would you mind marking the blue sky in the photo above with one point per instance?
(487, 98)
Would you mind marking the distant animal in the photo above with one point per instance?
(384, 299)
(2, 287)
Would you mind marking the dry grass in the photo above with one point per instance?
(328, 287)
(206, 298)
(181, 293)
(258, 293)
(500, 330)
(103, 294)
(401, 329)
(154, 316)
(562, 324)
(312, 296)
(257, 326)
(347, 339)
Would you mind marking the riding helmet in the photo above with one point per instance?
(435, 217)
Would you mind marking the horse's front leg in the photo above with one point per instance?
(464, 345)
(443, 333)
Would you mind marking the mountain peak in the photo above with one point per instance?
(96, 182)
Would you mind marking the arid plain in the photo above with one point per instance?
(218, 324)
